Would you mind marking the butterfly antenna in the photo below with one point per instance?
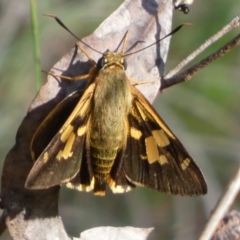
(66, 28)
(124, 41)
(159, 40)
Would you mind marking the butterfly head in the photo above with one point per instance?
(112, 60)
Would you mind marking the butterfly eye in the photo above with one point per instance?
(100, 63)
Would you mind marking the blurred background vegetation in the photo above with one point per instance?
(203, 113)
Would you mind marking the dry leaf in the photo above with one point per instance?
(146, 21)
(116, 233)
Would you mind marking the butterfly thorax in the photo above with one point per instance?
(111, 104)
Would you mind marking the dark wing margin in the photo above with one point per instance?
(61, 160)
(154, 156)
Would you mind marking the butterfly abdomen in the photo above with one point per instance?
(111, 101)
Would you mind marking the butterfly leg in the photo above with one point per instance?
(85, 53)
(76, 78)
(137, 82)
(79, 77)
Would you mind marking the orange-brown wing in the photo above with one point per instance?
(61, 159)
(154, 157)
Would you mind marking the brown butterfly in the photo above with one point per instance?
(110, 135)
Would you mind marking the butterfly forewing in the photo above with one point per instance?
(60, 161)
(154, 156)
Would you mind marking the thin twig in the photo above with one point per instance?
(222, 207)
(187, 75)
(235, 22)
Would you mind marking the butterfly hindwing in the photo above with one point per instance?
(84, 180)
(154, 157)
(60, 161)
(118, 182)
